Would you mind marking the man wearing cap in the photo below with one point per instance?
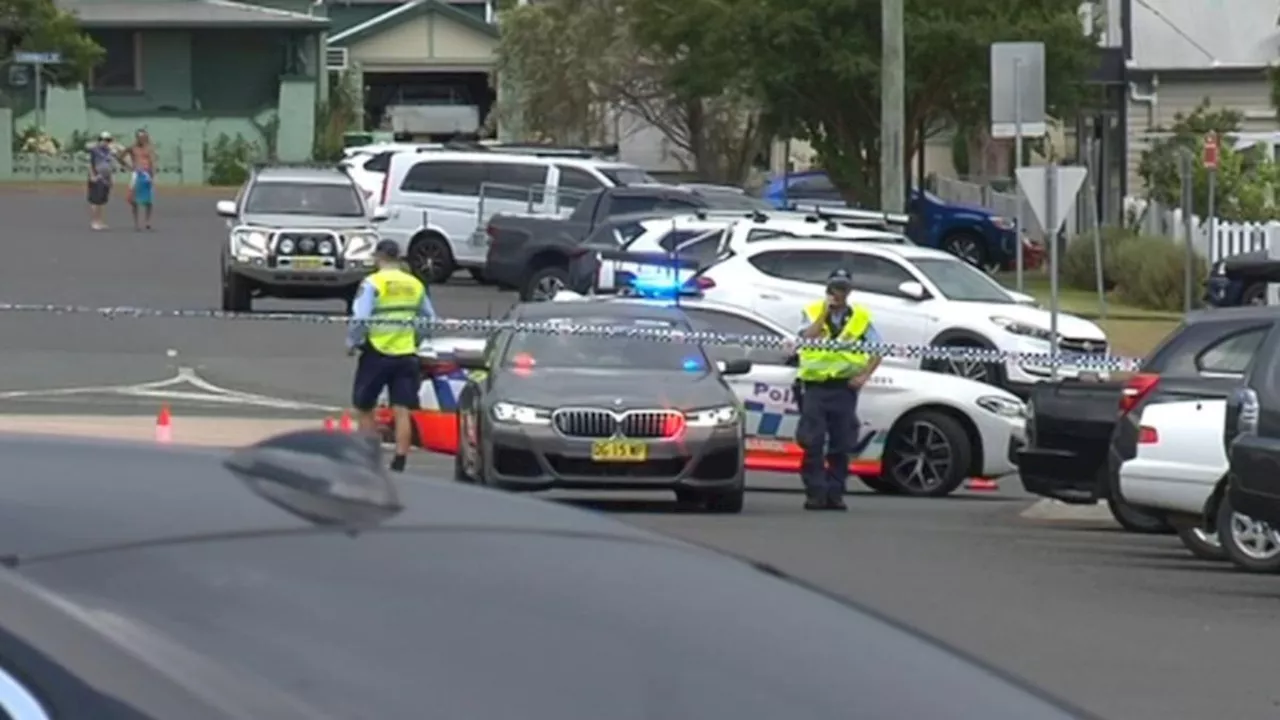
(102, 157)
(388, 351)
(830, 381)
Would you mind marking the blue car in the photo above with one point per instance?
(976, 234)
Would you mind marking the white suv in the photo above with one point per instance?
(917, 296)
(439, 201)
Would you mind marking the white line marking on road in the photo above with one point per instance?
(168, 390)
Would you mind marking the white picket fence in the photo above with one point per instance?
(1214, 241)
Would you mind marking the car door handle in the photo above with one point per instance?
(770, 296)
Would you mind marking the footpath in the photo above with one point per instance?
(200, 431)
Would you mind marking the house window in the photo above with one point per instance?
(121, 66)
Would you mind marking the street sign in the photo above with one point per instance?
(37, 58)
(1017, 89)
(1034, 183)
(1209, 156)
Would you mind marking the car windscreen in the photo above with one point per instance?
(960, 281)
(528, 351)
(622, 176)
(286, 198)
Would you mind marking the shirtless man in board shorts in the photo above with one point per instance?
(142, 160)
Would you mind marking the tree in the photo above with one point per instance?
(581, 67)
(1246, 180)
(39, 26)
(818, 63)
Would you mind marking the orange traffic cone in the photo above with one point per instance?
(164, 425)
(328, 425)
(982, 484)
(345, 424)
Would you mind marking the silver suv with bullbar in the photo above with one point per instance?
(296, 233)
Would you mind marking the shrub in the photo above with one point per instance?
(228, 160)
(1149, 273)
(1077, 262)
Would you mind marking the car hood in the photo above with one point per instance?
(1070, 326)
(302, 222)
(620, 390)
(1246, 259)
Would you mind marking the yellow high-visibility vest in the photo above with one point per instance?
(822, 365)
(399, 298)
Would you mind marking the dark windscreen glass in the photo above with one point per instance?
(733, 201)
(539, 350)
(281, 198)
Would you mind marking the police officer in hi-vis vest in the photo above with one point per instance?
(829, 382)
(388, 351)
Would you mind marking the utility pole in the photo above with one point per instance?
(892, 108)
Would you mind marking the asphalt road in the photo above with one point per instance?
(1130, 627)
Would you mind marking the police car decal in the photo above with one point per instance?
(772, 418)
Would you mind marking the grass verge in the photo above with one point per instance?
(1132, 331)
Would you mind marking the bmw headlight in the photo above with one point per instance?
(712, 417)
(506, 412)
(247, 242)
(1004, 407)
(360, 246)
(1018, 327)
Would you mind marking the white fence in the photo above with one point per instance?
(1214, 241)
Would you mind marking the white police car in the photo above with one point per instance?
(921, 433)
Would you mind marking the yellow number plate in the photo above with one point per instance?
(308, 263)
(618, 451)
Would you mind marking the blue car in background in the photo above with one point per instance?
(976, 234)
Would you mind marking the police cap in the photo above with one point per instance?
(388, 249)
(839, 280)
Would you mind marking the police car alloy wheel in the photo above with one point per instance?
(927, 454)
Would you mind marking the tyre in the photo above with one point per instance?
(927, 454)
(544, 283)
(969, 247)
(1202, 543)
(987, 373)
(880, 485)
(1255, 294)
(726, 503)
(236, 296)
(1131, 518)
(1249, 544)
(430, 258)
(461, 473)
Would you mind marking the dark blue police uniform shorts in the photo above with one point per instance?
(399, 375)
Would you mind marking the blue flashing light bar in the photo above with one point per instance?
(657, 286)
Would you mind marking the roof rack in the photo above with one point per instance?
(539, 150)
(298, 166)
(851, 216)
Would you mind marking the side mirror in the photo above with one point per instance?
(380, 214)
(735, 367)
(227, 208)
(470, 359)
(912, 290)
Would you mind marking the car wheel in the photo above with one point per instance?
(463, 470)
(430, 258)
(1131, 518)
(880, 485)
(927, 454)
(1202, 543)
(1250, 544)
(236, 296)
(1255, 294)
(976, 370)
(725, 503)
(544, 283)
(968, 247)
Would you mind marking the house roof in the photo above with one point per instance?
(408, 11)
(1204, 34)
(185, 14)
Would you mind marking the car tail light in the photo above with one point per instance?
(1137, 388)
(703, 282)
(1148, 436)
(433, 367)
(672, 426)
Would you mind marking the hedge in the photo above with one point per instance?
(1138, 270)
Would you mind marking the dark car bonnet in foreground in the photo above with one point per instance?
(468, 604)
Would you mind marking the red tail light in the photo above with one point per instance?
(673, 426)
(432, 367)
(1138, 387)
(703, 283)
(1148, 436)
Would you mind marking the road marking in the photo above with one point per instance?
(170, 390)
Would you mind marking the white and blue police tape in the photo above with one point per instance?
(1080, 361)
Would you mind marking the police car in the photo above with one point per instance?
(921, 434)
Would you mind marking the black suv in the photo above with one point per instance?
(1252, 434)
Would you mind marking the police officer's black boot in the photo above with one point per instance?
(836, 502)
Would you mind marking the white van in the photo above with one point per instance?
(439, 201)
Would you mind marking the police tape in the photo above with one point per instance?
(1064, 359)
